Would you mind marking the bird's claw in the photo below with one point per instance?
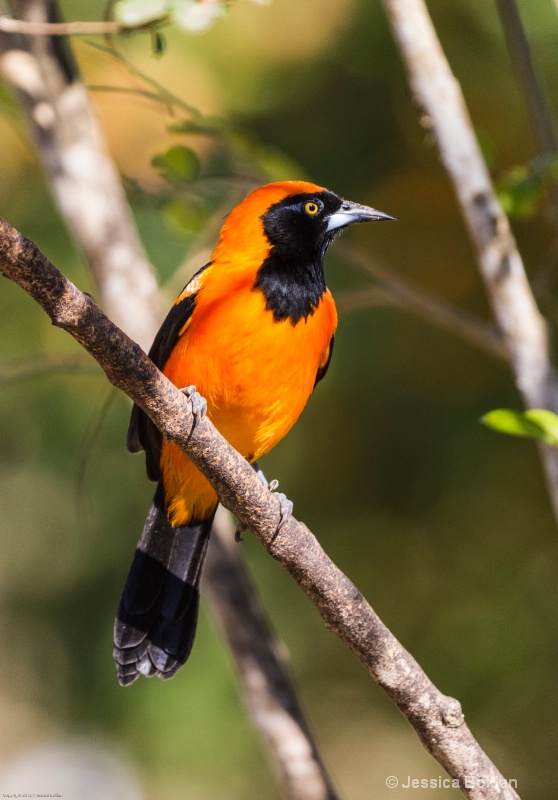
(199, 405)
(285, 506)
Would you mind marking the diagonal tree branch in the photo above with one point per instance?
(393, 290)
(437, 719)
(522, 326)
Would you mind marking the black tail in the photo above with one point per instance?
(156, 622)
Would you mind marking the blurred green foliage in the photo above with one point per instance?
(445, 527)
(537, 423)
(178, 163)
(522, 188)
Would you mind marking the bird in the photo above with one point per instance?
(248, 339)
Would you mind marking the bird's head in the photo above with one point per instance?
(297, 218)
(310, 216)
(277, 238)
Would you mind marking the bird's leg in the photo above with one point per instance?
(199, 405)
(286, 506)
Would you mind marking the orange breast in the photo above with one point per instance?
(256, 374)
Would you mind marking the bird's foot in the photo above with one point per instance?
(285, 505)
(199, 405)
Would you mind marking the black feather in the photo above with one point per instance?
(156, 621)
(292, 276)
(142, 433)
(322, 370)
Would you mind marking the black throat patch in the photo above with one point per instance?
(291, 290)
(292, 277)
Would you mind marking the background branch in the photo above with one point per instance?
(525, 71)
(532, 88)
(437, 719)
(108, 28)
(394, 290)
(81, 173)
(523, 329)
(261, 660)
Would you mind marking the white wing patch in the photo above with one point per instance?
(194, 285)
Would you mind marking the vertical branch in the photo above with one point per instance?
(534, 95)
(522, 326)
(80, 171)
(268, 692)
(87, 189)
(526, 73)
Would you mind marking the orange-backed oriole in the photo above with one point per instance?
(253, 331)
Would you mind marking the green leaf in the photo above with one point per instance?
(178, 163)
(547, 422)
(134, 13)
(520, 191)
(536, 423)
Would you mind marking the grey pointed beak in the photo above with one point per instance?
(354, 212)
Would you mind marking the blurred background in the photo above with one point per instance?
(444, 525)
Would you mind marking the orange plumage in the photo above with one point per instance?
(253, 331)
(264, 379)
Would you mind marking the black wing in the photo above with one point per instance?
(322, 369)
(142, 433)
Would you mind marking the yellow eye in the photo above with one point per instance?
(311, 208)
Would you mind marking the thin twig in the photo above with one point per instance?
(393, 290)
(437, 719)
(28, 28)
(534, 95)
(43, 365)
(523, 328)
(526, 73)
(165, 95)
